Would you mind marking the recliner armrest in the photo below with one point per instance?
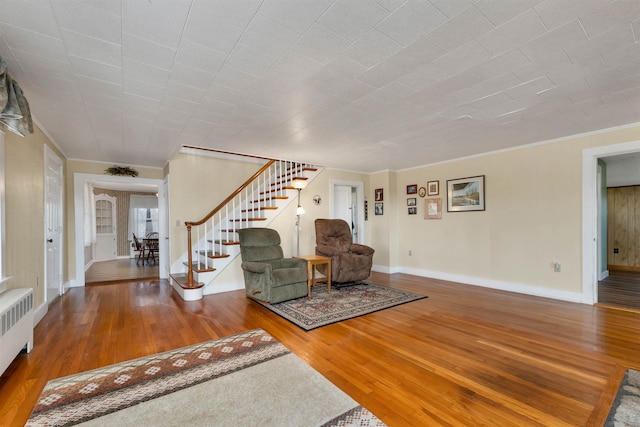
(294, 263)
(256, 267)
(359, 249)
(326, 250)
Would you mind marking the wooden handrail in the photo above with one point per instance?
(231, 196)
(215, 210)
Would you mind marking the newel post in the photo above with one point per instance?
(189, 258)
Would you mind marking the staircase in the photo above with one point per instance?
(213, 241)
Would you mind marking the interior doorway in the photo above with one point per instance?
(113, 270)
(347, 203)
(593, 238)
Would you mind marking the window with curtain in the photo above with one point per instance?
(143, 216)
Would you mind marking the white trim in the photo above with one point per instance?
(497, 284)
(51, 158)
(39, 313)
(604, 275)
(223, 287)
(590, 158)
(49, 137)
(188, 294)
(78, 205)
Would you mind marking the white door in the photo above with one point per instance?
(105, 248)
(347, 201)
(343, 205)
(53, 224)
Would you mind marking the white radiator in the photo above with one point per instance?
(16, 324)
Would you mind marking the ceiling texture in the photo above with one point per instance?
(361, 85)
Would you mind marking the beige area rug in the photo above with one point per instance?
(248, 379)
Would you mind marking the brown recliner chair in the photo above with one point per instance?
(350, 262)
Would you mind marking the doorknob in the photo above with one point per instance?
(50, 240)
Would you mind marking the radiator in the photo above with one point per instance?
(16, 324)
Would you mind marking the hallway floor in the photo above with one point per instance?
(119, 270)
(621, 288)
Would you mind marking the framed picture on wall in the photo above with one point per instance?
(413, 210)
(411, 201)
(433, 188)
(465, 194)
(433, 208)
(378, 194)
(412, 189)
(378, 208)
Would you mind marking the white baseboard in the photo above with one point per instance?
(88, 265)
(603, 275)
(39, 313)
(498, 284)
(385, 269)
(223, 287)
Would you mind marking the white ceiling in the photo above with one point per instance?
(362, 85)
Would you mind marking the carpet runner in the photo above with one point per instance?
(248, 379)
(346, 302)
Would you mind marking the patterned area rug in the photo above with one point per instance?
(625, 411)
(341, 303)
(248, 379)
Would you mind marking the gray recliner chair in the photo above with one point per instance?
(268, 276)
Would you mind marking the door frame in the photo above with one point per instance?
(51, 158)
(359, 187)
(590, 223)
(78, 204)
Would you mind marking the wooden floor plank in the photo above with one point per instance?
(464, 356)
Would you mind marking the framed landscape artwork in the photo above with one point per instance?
(412, 189)
(465, 194)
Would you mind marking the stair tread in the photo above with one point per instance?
(213, 255)
(202, 269)
(264, 208)
(182, 280)
(224, 242)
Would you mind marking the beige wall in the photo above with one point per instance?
(197, 184)
(24, 175)
(532, 217)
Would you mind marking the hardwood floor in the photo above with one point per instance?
(120, 270)
(464, 356)
(621, 288)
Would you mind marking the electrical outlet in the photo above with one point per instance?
(556, 267)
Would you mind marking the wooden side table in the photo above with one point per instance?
(313, 261)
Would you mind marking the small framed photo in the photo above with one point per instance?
(422, 191)
(433, 188)
(433, 208)
(411, 201)
(379, 195)
(413, 211)
(379, 209)
(412, 189)
(465, 194)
